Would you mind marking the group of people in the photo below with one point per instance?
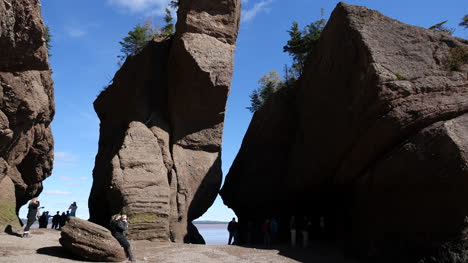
(270, 232)
(58, 220)
(299, 229)
(118, 224)
(269, 229)
(302, 225)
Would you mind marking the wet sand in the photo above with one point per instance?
(44, 247)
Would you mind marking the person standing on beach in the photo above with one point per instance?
(232, 229)
(118, 226)
(292, 228)
(42, 220)
(56, 221)
(273, 230)
(266, 233)
(63, 220)
(32, 215)
(72, 209)
(307, 225)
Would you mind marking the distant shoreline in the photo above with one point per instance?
(201, 222)
(209, 222)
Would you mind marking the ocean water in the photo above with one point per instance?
(214, 234)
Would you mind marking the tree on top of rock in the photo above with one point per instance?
(168, 29)
(136, 40)
(269, 84)
(48, 39)
(301, 43)
(299, 47)
(174, 4)
(141, 34)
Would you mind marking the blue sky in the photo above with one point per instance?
(84, 59)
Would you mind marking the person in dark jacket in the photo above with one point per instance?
(63, 220)
(32, 215)
(232, 228)
(56, 221)
(266, 230)
(118, 226)
(42, 219)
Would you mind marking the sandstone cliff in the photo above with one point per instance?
(379, 147)
(26, 107)
(161, 126)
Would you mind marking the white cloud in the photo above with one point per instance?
(55, 192)
(142, 6)
(72, 180)
(65, 178)
(65, 159)
(75, 32)
(262, 6)
(65, 156)
(73, 184)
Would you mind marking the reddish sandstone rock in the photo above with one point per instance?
(26, 101)
(161, 126)
(90, 241)
(378, 146)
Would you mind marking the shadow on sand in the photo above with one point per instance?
(319, 252)
(9, 231)
(57, 251)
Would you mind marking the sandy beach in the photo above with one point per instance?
(43, 247)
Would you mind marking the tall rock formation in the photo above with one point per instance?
(379, 148)
(161, 126)
(26, 107)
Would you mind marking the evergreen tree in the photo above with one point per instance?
(299, 47)
(48, 39)
(464, 22)
(269, 84)
(136, 40)
(174, 4)
(301, 43)
(255, 101)
(168, 29)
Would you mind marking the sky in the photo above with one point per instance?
(85, 46)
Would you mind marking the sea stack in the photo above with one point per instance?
(373, 138)
(26, 107)
(161, 126)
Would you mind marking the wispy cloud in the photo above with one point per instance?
(75, 32)
(73, 184)
(262, 6)
(72, 180)
(65, 159)
(56, 192)
(141, 6)
(65, 178)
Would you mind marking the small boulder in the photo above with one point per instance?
(90, 241)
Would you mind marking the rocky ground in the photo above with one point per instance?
(43, 246)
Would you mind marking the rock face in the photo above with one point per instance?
(161, 126)
(90, 241)
(26, 104)
(378, 147)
